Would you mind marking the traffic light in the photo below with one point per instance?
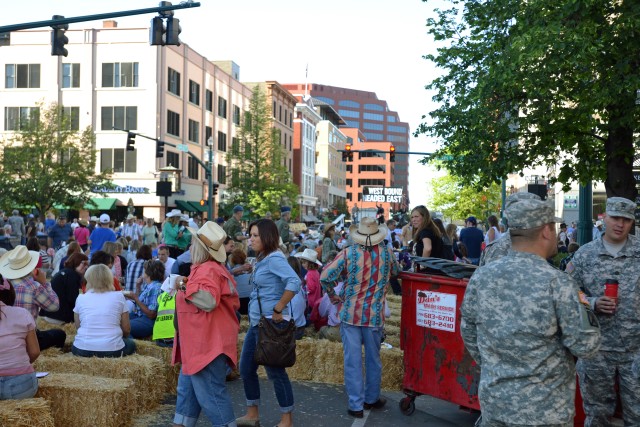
(131, 140)
(173, 31)
(203, 202)
(58, 39)
(156, 32)
(392, 153)
(347, 155)
(159, 149)
(215, 188)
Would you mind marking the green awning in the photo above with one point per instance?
(101, 204)
(184, 206)
(197, 207)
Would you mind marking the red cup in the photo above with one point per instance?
(611, 289)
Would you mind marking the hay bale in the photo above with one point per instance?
(68, 343)
(51, 352)
(304, 369)
(392, 298)
(146, 373)
(329, 362)
(26, 413)
(68, 328)
(163, 354)
(244, 324)
(392, 368)
(83, 400)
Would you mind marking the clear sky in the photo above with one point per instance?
(371, 45)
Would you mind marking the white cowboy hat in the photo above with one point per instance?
(18, 263)
(211, 236)
(131, 216)
(314, 234)
(368, 232)
(174, 212)
(309, 255)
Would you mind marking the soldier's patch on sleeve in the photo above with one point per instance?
(569, 268)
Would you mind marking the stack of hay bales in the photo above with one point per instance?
(146, 374)
(26, 413)
(82, 400)
(163, 354)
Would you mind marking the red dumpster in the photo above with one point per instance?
(436, 363)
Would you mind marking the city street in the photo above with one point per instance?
(326, 405)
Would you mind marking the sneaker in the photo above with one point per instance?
(377, 404)
(356, 414)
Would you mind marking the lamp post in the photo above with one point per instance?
(210, 204)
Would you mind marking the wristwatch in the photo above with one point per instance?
(276, 311)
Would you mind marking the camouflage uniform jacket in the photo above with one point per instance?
(521, 322)
(233, 228)
(591, 266)
(283, 230)
(496, 249)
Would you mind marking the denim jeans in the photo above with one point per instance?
(141, 326)
(128, 349)
(18, 386)
(249, 374)
(205, 391)
(359, 389)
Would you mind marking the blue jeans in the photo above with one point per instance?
(128, 349)
(249, 374)
(205, 391)
(359, 389)
(141, 326)
(18, 386)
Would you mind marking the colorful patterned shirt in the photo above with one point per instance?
(149, 297)
(33, 296)
(365, 286)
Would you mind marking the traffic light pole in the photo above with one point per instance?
(207, 169)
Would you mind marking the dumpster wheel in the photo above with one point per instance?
(408, 405)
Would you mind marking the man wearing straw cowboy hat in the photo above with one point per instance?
(33, 292)
(369, 264)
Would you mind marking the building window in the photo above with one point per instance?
(173, 159)
(222, 141)
(21, 76)
(118, 160)
(349, 182)
(235, 146)
(192, 168)
(194, 92)
(373, 116)
(348, 103)
(222, 174)
(280, 113)
(236, 115)
(173, 123)
(120, 74)
(349, 168)
(222, 107)
(373, 126)
(349, 113)
(18, 118)
(208, 100)
(194, 131)
(274, 109)
(399, 129)
(119, 117)
(208, 133)
(374, 107)
(70, 75)
(73, 115)
(173, 82)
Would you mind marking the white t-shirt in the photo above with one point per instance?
(100, 315)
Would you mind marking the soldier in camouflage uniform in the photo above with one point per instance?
(233, 227)
(499, 247)
(283, 224)
(522, 322)
(615, 256)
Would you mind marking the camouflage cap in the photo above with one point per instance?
(521, 195)
(530, 213)
(619, 206)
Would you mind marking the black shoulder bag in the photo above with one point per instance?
(276, 345)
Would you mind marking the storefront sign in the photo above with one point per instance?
(122, 189)
(571, 202)
(382, 194)
(436, 310)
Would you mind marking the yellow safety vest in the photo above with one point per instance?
(163, 326)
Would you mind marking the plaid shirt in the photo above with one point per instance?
(365, 286)
(33, 296)
(134, 231)
(134, 270)
(149, 297)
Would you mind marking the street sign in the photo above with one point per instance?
(182, 147)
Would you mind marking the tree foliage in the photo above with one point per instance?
(457, 201)
(258, 178)
(46, 163)
(559, 77)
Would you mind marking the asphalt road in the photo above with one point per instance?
(318, 405)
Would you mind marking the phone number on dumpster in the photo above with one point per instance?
(436, 310)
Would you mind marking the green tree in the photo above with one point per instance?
(258, 178)
(457, 201)
(46, 163)
(558, 77)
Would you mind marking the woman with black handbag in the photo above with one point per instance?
(274, 285)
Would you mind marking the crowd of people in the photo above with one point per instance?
(174, 282)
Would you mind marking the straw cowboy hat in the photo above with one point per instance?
(174, 212)
(83, 222)
(18, 263)
(309, 255)
(211, 236)
(368, 232)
